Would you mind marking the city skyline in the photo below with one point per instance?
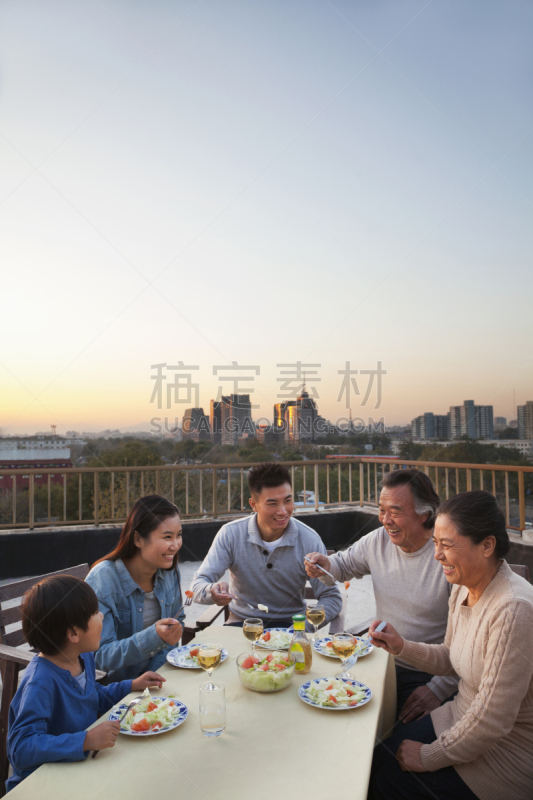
(263, 184)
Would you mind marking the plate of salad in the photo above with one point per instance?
(153, 715)
(186, 656)
(324, 646)
(335, 694)
(275, 639)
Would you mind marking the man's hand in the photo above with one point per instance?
(102, 737)
(220, 594)
(316, 558)
(418, 704)
(169, 630)
(408, 756)
(148, 680)
(389, 638)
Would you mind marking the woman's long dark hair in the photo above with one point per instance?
(145, 516)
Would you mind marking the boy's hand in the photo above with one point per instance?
(169, 630)
(220, 594)
(148, 680)
(102, 737)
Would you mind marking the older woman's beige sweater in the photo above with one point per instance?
(486, 732)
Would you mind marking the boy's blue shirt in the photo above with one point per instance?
(50, 712)
(125, 646)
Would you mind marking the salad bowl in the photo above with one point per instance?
(270, 674)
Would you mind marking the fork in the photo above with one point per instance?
(188, 599)
(134, 702)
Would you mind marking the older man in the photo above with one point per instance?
(410, 588)
(264, 555)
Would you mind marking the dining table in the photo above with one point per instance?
(273, 745)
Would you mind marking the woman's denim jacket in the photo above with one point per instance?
(124, 644)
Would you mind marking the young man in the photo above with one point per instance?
(264, 554)
(410, 587)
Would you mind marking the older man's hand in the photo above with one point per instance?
(310, 566)
(418, 704)
(408, 756)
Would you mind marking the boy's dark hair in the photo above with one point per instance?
(52, 607)
(267, 476)
(426, 498)
(477, 515)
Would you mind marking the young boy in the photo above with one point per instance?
(58, 697)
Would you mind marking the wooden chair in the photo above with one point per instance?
(12, 658)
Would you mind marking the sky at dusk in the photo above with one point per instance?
(263, 182)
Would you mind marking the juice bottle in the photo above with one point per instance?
(300, 646)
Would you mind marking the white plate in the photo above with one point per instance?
(179, 657)
(304, 689)
(320, 647)
(118, 711)
(267, 645)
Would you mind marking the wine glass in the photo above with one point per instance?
(253, 630)
(316, 615)
(344, 645)
(209, 656)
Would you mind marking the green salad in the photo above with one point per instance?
(334, 693)
(269, 674)
(150, 714)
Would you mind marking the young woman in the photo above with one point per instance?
(139, 593)
(480, 744)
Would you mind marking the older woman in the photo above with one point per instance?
(480, 745)
(138, 590)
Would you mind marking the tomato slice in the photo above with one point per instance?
(255, 659)
(266, 636)
(269, 657)
(265, 667)
(194, 652)
(346, 585)
(332, 698)
(280, 666)
(172, 703)
(354, 702)
(247, 663)
(152, 707)
(329, 687)
(142, 725)
(349, 693)
(329, 644)
(188, 593)
(156, 725)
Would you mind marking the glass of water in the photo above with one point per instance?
(212, 709)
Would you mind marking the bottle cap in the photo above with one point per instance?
(298, 618)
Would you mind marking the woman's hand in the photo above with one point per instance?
(389, 639)
(169, 630)
(148, 680)
(408, 756)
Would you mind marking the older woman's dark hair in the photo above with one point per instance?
(146, 515)
(477, 515)
(425, 497)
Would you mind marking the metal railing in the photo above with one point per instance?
(95, 496)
